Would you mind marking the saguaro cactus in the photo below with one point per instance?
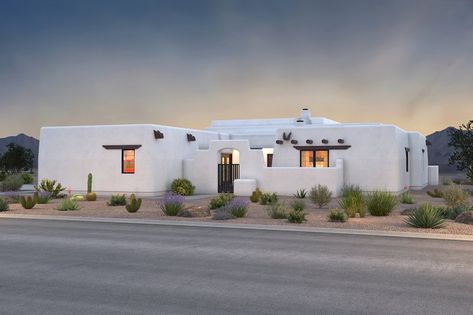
(89, 183)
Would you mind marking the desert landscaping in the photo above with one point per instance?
(196, 208)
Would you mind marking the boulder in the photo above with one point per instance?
(194, 212)
(465, 217)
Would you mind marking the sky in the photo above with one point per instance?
(185, 63)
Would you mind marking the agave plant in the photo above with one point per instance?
(52, 187)
(300, 194)
(426, 216)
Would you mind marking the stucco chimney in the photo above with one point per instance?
(305, 117)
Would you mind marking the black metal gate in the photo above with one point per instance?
(227, 173)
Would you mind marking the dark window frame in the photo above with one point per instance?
(314, 159)
(123, 162)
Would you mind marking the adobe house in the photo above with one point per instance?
(276, 155)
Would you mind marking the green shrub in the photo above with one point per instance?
(349, 190)
(3, 205)
(337, 216)
(406, 198)
(352, 201)
(28, 202)
(320, 195)
(298, 205)
(436, 193)
(134, 204)
(77, 198)
(300, 194)
(42, 197)
(220, 200)
(3, 175)
(277, 210)
(455, 196)
(380, 203)
(182, 186)
(117, 200)
(11, 183)
(453, 212)
(256, 195)
(171, 204)
(67, 204)
(27, 178)
(426, 216)
(268, 198)
(296, 216)
(51, 186)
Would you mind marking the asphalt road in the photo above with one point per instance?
(55, 267)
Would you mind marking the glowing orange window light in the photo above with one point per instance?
(128, 161)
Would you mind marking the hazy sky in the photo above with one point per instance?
(185, 63)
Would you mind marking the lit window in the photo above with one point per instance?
(321, 158)
(318, 158)
(128, 161)
(307, 158)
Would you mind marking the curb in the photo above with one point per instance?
(262, 227)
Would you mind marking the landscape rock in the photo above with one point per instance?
(465, 217)
(194, 212)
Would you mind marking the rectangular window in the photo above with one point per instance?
(407, 160)
(269, 160)
(128, 161)
(307, 158)
(318, 158)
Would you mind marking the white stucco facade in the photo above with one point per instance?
(373, 156)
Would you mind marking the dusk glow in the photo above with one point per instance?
(184, 63)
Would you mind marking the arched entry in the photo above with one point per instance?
(228, 169)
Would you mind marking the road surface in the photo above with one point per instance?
(59, 267)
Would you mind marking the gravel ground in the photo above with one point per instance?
(257, 214)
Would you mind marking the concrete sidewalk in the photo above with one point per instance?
(295, 228)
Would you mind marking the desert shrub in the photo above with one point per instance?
(296, 216)
(336, 215)
(453, 212)
(67, 204)
(222, 214)
(11, 183)
(3, 175)
(42, 197)
(134, 204)
(320, 195)
(117, 200)
(300, 194)
(51, 186)
(77, 198)
(352, 201)
(277, 210)
(380, 203)
(27, 178)
(349, 190)
(455, 196)
(13, 197)
(182, 186)
(426, 216)
(298, 205)
(406, 198)
(255, 195)
(3, 205)
(436, 193)
(171, 204)
(238, 207)
(28, 202)
(268, 198)
(220, 200)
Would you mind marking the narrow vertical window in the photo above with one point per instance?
(321, 158)
(128, 161)
(407, 160)
(269, 160)
(307, 158)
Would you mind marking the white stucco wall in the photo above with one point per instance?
(68, 154)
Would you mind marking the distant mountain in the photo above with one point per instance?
(439, 151)
(23, 140)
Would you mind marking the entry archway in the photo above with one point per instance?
(228, 169)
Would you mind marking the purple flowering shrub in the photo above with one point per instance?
(238, 207)
(171, 204)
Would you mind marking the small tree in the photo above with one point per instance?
(462, 141)
(16, 159)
